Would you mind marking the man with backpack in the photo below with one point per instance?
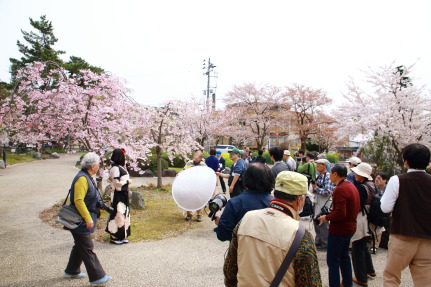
(309, 167)
(408, 197)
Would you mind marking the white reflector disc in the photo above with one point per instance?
(193, 187)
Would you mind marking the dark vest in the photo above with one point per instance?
(91, 197)
(412, 211)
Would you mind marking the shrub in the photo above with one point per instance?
(333, 157)
(229, 162)
(178, 161)
(268, 157)
(151, 163)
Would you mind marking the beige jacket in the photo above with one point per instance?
(264, 238)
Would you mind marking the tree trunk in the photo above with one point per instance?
(303, 143)
(159, 166)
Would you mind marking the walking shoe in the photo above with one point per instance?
(118, 242)
(125, 241)
(101, 281)
(188, 218)
(359, 283)
(199, 219)
(372, 274)
(74, 276)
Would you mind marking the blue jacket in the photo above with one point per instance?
(212, 162)
(236, 208)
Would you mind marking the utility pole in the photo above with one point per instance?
(210, 90)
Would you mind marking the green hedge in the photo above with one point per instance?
(333, 157)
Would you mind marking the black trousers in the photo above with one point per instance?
(83, 251)
(222, 184)
(361, 259)
(385, 234)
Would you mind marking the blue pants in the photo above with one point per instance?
(337, 258)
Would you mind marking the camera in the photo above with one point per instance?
(323, 211)
(216, 204)
(102, 205)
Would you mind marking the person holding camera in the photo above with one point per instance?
(258, 181)
(235, 176)
(342, 226)
(85, 196)
(119, 220)
(322, 189)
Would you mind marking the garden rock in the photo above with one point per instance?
(148, 173)
(138, 201)
(2, 164)
(134, 173)
(37, 155)
(169, 173)
(54, 155)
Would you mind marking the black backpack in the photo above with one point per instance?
(308, 209)
(375, 215)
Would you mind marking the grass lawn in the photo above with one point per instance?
(12, 159)
(160, 219)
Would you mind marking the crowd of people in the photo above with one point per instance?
(268, 244)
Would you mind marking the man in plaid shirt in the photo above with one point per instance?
(322, 190)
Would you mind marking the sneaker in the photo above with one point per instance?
(188, 218)
(199, 219)
(125, 241)
(74, 276)
(372, 274)
(118, 242)
(359, 283)
(101, 281)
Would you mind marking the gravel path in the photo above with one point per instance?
(35, 254)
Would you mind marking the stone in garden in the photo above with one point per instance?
(37, 155)
(134, 173)
(148, 173)
(2, 165)
(169, 173)
(137, 200)
(54, 155)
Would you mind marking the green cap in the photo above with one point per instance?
(235, 150)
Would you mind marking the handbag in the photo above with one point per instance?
(289, 256)
(69, 215)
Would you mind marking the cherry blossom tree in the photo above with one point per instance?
(89, 108)
(305, 102)
(170, 132)
(387, 105)
(254, 110)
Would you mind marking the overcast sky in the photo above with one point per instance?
(159, 46)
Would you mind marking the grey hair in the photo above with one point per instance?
(89, 160)
(322, 155)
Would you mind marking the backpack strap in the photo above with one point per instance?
(289, 257)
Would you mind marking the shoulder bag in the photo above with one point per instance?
(69, 215)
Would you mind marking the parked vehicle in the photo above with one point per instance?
(224, 148)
